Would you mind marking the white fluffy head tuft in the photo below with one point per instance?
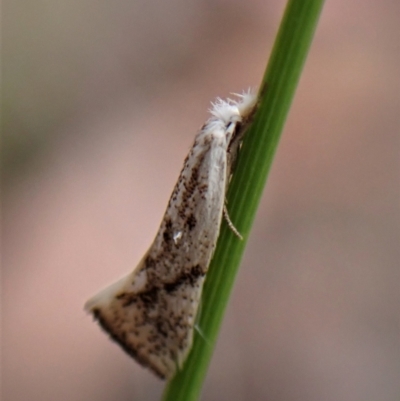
(232, 109)
(247, 102)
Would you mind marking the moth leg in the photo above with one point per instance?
(230, 224)
(201, 333)
(197, 323)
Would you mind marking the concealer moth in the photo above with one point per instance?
(151, 312)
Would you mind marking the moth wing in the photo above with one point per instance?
(151, 312)
(120, 313)
(131, 316)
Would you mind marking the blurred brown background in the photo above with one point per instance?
(101, 101)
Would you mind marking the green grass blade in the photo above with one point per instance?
(259, 146)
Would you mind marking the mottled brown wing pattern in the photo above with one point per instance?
(151, 312)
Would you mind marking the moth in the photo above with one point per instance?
(151, 312)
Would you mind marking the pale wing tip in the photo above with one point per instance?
(134, 282)
(105, 296)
